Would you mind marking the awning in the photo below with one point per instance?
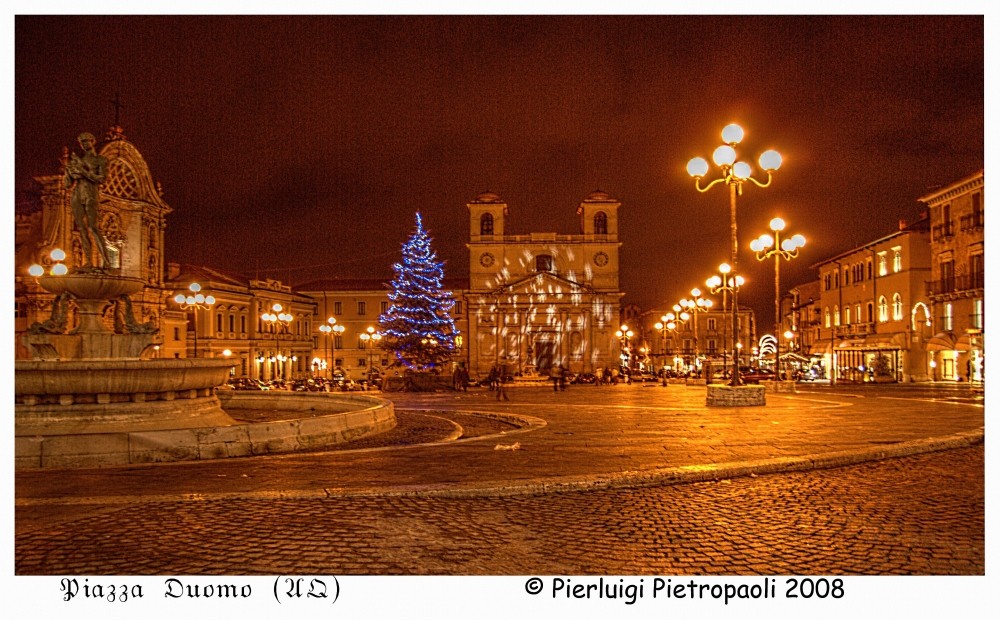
(886, 341)
(969, 341)
(795, 357)
(942, 341)
(820, 348)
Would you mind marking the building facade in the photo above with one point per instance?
(540, 299)
(874, 310)
(234, 326)
(956, 287)
(356, 305)
(706, 337)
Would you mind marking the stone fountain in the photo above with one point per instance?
(91, 396)
(92, 380)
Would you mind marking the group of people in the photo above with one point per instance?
(460, 378)
(611, 376)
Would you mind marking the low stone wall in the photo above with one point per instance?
(341, 418)
(720, 395)
(787, 387)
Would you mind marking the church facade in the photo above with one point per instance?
(541, 299)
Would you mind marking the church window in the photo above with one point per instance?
(600, 223)
(486, 224)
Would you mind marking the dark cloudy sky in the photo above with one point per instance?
(302, 146)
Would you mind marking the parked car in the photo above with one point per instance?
(755, 375)
(584, 378)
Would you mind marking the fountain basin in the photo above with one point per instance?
(100, 287)
(100, 396)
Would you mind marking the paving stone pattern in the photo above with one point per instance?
(913, 515)
(374, 510)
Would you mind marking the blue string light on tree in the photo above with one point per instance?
(418, 327)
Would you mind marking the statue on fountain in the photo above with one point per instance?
(85, 175)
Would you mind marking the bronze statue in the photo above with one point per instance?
(85, 174)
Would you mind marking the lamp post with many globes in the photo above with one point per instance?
(766, 246)
(725, 284)
(370, 338)
(624, 336)
(278, 320)
(331, 329)
(195, 301)
(734, 174)
(694, 306)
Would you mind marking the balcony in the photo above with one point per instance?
(942, 232)
(957, 284)
(971, 223)
(855, 329)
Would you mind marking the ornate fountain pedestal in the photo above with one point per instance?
(84, 387)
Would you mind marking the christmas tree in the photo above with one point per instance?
(418, 327)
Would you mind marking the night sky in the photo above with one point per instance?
(300, 147)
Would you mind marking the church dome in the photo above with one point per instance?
(487, 197)
(599, 196)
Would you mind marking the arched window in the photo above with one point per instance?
(897, 307)
(883, 309)
(486, 224)
(871, 312)
(600, 223)
(826, 314)
(836, 315)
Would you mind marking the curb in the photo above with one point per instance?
(687, 473)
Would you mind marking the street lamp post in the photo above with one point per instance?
(330, 328)
(624, 336)
(194, 302)
(370, 337)
(693, 306)
(767, 247)
(726, 283)
(278, 320)
(789, 346)
(734, 174)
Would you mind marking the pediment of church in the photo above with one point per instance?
(544, 284)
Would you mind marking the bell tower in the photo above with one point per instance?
(487, 212)
(599, 216)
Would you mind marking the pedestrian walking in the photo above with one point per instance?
(502, 384)
(562, 378)
(554, 376)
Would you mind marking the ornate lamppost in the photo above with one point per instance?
(370, 338)
(693, 306)
(194, 302)
(624, 336)
(767, 247)
(725, 284)
(329, 329)
(278, 320)
(734, 174)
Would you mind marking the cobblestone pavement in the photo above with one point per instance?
(374, 510)
(912, 515)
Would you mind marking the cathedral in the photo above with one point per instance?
(540, 299)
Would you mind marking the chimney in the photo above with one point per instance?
(902, 224)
